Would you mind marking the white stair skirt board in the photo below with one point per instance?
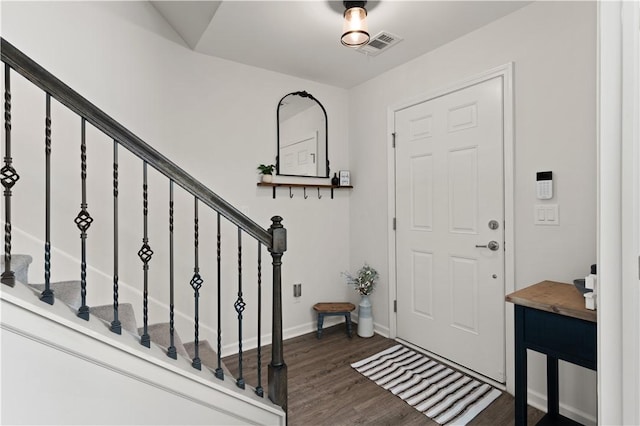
(77, 371)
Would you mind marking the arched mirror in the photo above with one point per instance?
(302, 136)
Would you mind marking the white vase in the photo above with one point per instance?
(267, 178)
(365, 318)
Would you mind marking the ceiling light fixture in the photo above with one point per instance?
(354, 29)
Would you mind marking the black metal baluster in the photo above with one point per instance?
(83, 222)
(47, 294)
(259, 390)
(196, 283)
(219, 370)
(145, 254)
(171, 350)
(116, 326)
(9, 178)
(239, 305)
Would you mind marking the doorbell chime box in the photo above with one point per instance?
(544, 185)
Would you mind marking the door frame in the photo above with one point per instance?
(506, 72)
(618, 128)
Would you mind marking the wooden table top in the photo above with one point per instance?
(328, 307)
(551, 296)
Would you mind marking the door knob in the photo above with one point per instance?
(492, 245)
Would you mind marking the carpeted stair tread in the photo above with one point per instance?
(208, 356)
(126, 315)
(65, 291)
(19, 265)
(159, 334)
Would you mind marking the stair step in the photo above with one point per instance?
(126, 315)
(208, 356)
(20, 266)
(68, 292)
(64, 291)
(159, 334)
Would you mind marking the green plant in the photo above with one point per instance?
(364, 281)
(266, 169)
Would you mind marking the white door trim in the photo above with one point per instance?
(506, 72)
(630, 211)
(609, 136)
(618, 212)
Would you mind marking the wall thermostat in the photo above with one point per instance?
(544, 185)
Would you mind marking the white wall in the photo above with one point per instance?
(206, 113)
(215, 118)
(552, 45)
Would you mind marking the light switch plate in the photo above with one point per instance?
(546, 214)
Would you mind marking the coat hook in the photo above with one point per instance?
(319, 196)
(305, 192)
(290, 193)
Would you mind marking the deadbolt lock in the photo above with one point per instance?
(493, 224)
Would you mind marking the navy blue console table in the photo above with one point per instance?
(550, 318)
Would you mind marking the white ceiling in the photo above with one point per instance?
(302, 38)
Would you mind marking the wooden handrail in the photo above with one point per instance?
(33, 72)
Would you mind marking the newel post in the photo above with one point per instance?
(277, 367)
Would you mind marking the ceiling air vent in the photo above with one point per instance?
(379, 43)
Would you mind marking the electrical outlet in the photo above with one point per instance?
(297, 290)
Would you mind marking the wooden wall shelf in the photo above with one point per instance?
(304, 186)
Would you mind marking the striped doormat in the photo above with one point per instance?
(441, 393)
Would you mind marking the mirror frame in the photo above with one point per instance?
(303, 94)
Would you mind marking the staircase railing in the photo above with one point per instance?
(273, 238)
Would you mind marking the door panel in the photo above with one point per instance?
(422, 284)
(463, 191)
(464, 289)
(422, 192)
(449, 185)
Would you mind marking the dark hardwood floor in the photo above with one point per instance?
(325, 390)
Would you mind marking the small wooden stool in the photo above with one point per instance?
(333, 309)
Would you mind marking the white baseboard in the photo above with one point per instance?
(539, 401)
(381, 330)
(288, 333)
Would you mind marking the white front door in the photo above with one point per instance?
(450, 216)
